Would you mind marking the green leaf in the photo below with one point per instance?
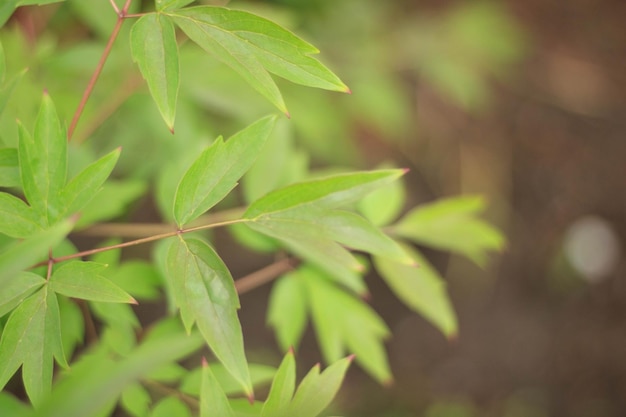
(169, 407)
(421, 288)
(383, 205)
(72, 325)
(6, 90)
(136, 400)
(287, 310)
(14, 292)
(154, 49)
(451, 224)
(138, 278)
(205, 294)
(252, 46)
(6, 10)
(9, 167)
(165, 5)
(317, 390)
(3, 65)
(43, 162)
(330, 192)
(282, 389)
(13, 407)
(83, 280)
(31, 338)
(342, 321)
(216, 171)
(111, 201)
(32, 250)
(100, 380)
(259, 375)
(17, 219)
(213, 401)
(84, 186)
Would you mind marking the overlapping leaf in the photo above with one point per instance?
(216, 171)
(213, 401)
(451, 224)
(154, 48)
(15, 291)
(421, 288)
(31, 338)
(9, 167)
(287, 310)
(205, 294)
(254, 47)
(282, 389)
(17, 219)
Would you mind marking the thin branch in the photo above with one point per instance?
(98, 70)
(263, 275)
(114, 5)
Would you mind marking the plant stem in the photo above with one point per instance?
(263, 275)
(105, 54)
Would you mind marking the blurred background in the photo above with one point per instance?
(522, 102)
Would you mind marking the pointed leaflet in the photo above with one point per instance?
(84, 186)
(259, 375)
(205, 294)
(32, 250)
(316, 390)
(31, 338)
(216, 171)
(83, 280)
(9, 167)
(154, 49)
(282, 389)
(43, 162)
(213, 401)
(421, 288)
(451, 224)
(14, 292)
(17, 219)
(342, 321)
(287, 310)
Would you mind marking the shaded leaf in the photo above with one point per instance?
(282, 389)
(451, 224)
(154, 49)
(84, 186)
(72, 325)
(13, 407)
(15, 291)
(135, 400)
(171, 4)
(17, 219)
(421, 288)
(384, 204)
(6, 10)
(205, 294)
(259, 375)
(216, 171)
(31, 338)
(169, 407)
(83, 280)
(213, 401)
(287, 310)
(111, 201)
(9, 167)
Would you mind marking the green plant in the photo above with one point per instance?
(57, 188)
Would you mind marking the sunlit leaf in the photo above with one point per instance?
(213, 401)
(383, 205)
(421, 288)
(84, 186)
(282, 390)
(287, 310)
(216, 171)
(452, 224)
(205, 294)
(17, 219)
(154, 49)
(84, 280)
(31, 338)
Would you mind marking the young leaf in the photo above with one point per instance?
(43, 162)
(31, 338)
(29, 251)
(317, 390)
(282, 389)
(384, 205)
(287, 311)
(421, 288)
(14, 292)
(17, 219)
(451, 224)
(9, 167)
(252, 46)
(84, 186)
(213, 401)
(342, 321)
(330, 192)
(83, 280)
(205, 294)
(216, 171)
(154, 49)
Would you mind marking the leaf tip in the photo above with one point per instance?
(171, 129)
(287, 114)
(351, 358)
(388, 383)
(405, 170)
(133, 301)
(347, 90)
(251, 397)
(204, 362)
(291, 351)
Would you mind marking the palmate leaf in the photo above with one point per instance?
(17, 219)
(421, 288)
(205, 293)
(32, 338)
(216, 171)
(154, 48)
(15, 291)
(452, 224)
(254, 46)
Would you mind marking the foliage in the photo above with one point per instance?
(61, 182)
